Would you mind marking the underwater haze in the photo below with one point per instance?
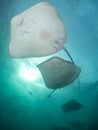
(24, 101)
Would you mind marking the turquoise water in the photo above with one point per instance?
(23, 94)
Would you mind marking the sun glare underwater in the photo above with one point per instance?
(48, 65)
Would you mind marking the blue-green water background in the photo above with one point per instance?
(23, 104)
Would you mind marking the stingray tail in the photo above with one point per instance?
(51, 93)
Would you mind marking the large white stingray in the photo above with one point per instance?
(38, 31)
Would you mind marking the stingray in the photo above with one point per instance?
(58, 73)
(71, 105)
(37, 31)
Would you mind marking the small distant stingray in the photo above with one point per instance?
(77, 124)
(59, 128)
(72, 105)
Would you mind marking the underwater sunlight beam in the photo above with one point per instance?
(28, 73)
